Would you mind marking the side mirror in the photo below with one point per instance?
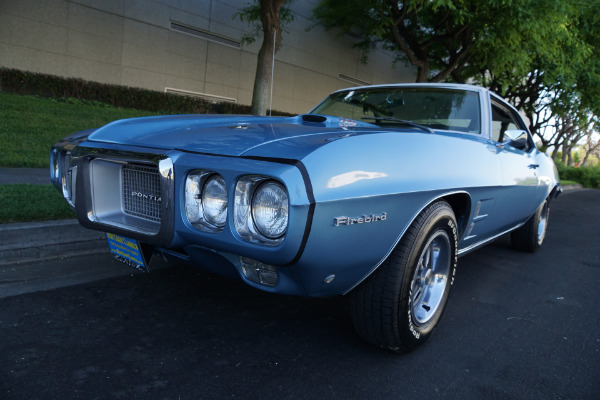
(516, 138)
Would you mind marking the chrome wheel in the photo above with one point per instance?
(532, 234)
(400, 304)
(431, 275)
(543, 223)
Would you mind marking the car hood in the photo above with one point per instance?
(231, 135)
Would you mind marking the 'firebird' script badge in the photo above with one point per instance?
(365, 219)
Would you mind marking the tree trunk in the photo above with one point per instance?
(422, 73)
(271, 22)
(264, 68)
(585, 158)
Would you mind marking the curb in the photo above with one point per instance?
(572, 187)
(36, 241)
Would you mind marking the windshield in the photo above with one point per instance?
(436, 108)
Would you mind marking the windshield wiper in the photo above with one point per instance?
(402, 121)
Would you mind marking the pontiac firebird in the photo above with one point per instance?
(373, 194)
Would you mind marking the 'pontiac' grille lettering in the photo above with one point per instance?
(365, 219)
(146, 196)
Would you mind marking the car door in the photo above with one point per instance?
(517, 198)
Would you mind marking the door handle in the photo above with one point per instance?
(533, 166)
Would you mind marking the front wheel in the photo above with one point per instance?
(530, 236)
(401, 303)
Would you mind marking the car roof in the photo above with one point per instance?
(462, 86)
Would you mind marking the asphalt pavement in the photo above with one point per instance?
(517, 326)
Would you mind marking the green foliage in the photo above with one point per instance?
(561, 78)
(28, 83)
(251, 13)
(589, 177)
(542, 55)
(460, 39)
(24, 203)
(438, 37)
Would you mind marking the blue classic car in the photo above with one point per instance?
(374, 194)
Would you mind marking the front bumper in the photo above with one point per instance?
(90, 177)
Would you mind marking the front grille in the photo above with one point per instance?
(141, 191)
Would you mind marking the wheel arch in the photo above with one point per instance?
(460, 203)
(556, 191)
(400, 304)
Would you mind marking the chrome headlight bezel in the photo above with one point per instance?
(62, 174)
(270, 209)
(54, 167)
(214, 200)
(195, 211)
(243, 215)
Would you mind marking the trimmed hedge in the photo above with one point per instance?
(30, 83)
(589, 177)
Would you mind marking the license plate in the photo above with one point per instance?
(127, 250)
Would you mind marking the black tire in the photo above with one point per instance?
(530, 236)
(389, 309)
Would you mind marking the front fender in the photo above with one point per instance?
(391, 179)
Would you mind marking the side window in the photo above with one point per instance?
(502, 121)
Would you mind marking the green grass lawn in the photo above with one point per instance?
(24, 203)
(30, 125)
(565, 182)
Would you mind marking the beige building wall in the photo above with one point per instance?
(182, 45)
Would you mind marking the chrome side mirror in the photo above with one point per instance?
(516, 138)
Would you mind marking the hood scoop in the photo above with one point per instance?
(314, 119)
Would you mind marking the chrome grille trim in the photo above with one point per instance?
(99, 200)
(141, 191)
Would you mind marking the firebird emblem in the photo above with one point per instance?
(365, 219)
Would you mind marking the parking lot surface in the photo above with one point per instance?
(517, 326)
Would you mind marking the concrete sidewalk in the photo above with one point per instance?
(36, 176)
(30, 241)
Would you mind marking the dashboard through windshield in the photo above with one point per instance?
(445, 109)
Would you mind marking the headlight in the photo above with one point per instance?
(270, 209)
(261, 210)
(214, 201)
(206, 200)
